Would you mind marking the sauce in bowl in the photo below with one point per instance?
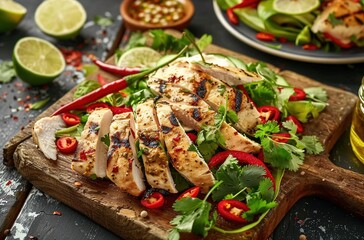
(157, 12)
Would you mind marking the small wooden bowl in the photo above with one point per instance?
(135, 25)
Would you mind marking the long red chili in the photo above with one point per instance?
(121, 71)
(245, 3)
(243, 158)
(111, 87)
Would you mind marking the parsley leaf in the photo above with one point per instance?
(7, 71)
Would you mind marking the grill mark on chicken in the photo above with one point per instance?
(165, 129)
(196, 114)
(173, 120)
(201, 89)
(238, 100)
(162, 87)
(94, 128)
(149, 141)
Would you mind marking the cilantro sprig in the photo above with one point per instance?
(288, 155)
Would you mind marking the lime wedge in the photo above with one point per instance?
(62, 19)
(293, 7)
(11, 14)
(37, 61)
(143, 57)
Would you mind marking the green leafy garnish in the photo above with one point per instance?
(7, 71)
(103, 21)
(85, 87)
(194, 216)
(73, 131)
(106, 140)
(333, 20)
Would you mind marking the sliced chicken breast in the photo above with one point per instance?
(44, 135)
(151, 144)
(91, 154)
(230, 75)
(349, 20)
(123, 167)
(186, 161)
(211, 90)
(194, 113)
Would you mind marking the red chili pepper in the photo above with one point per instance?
(337, 41)
(269, 113)
(191, 192)
(71, 119)
(310, 46)
(232, 210)
(117, 110)
(192, 136)
(246, 3)
(282, 40)
(267, 37)
(281, 137)
(296, 122)
(242, 157)
(298, 95)
(153, 200)
(121, 71)
(101, 80)
(232, 17)
(112, 87)
(67, 144)
(90, 108)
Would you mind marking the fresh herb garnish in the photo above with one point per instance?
(103, 21)
(106, 140)
(39, 104)
(7, 71)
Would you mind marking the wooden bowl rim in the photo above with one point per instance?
(189, 9)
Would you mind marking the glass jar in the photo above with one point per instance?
(357, 126)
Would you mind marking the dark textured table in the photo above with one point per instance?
(27, 213)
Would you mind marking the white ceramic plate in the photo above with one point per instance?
(289, 50)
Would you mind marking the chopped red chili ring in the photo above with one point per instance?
(232, 210)
(337, 41)
(233, 19)
(153, 200)
(269, 113)
(281, 137)
(191, 192)
(310, 46)
(267, 37)
(67, 144)
(296, 122)
(192, 136)
(71, 119)
(117, 110)
(298, 95)
(243, 158)
(90, 108)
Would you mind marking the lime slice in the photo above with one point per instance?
(62, 19)
(293, 7)
(143, 57)
(37, 61)
(11, 14)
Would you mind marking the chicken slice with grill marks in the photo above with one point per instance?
(91, 154)
(342, 19)
(194, 113)
(232, 76)
(123, 167)
(186, 161)
(211, 90)
(44, 135)
(156, 163)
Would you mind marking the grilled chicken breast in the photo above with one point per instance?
(155, 159)
(123, 167)
(194, 113)
(348, 20)
(44, 135)
(211, 90)
(91, 153)
(187, 162)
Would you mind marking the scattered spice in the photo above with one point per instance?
(77, 184)
(144, 214)
(7, 232)
(302, 237)
(57, 213)
(8, 183)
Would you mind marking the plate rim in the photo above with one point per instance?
(278, 53)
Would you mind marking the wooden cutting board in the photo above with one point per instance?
(119, 212)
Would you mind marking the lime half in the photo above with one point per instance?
(143, 57)
(62, 19)
(11, 14)
(293, 7)
(37, 61)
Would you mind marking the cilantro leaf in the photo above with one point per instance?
(103, 21)
(333, 20)
(106, 139)
(257, 205)
(235, 177)
(316, 94)
(7, 71)
(312, 144)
